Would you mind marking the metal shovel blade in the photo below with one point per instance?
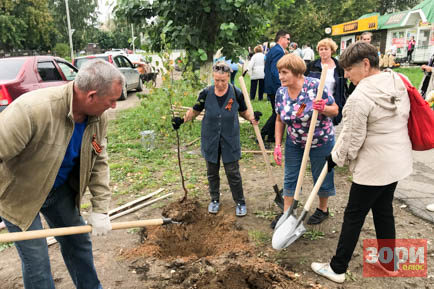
(283, 232)
(287, 233)
(282, 219)
(278, 199)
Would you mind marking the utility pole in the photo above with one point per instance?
(132, 37)
(69, 30)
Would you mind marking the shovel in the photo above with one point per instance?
(278, 199)
(291, 230)
(289, 213)
(37, 234)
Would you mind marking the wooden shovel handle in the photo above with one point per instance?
(256, 128)
(302, 171)
(37, 234)
(320, 179)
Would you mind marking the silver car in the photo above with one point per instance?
(132, 76)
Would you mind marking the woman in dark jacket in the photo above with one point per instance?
(335, 81)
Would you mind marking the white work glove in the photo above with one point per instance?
(100, 224)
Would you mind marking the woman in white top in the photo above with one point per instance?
(335, 81)
(256, 71)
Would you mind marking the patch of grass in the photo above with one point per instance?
(259, 237)
(133, 230)
(313, 234)
(266, 214)
(415, 74)
(349, 276)
(342, 170)
(85, 206)
(4, 246)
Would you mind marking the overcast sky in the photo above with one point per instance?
(104, 7)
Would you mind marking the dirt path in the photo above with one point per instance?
(175, 267)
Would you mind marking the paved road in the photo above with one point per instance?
(417, 190)
(131, 101)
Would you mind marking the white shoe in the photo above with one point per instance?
(325, 270)
(430, 207)
(2, 225)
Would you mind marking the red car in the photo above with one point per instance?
(19, 75)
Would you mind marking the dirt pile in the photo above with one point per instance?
(199, 235)
(205, 251)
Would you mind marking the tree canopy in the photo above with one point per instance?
(25, 24)
(199, 26)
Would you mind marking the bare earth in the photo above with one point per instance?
(223, 251)
(218, 252)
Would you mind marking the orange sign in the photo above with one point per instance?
(368, 23)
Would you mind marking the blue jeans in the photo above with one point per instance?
(59, 210)
(317, 156)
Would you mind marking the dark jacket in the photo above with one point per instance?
(341, 91)
(271, 79)
(221, 128)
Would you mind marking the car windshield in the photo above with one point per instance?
(9, 68)
(80, 61)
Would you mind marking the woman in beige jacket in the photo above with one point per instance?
(375, 141)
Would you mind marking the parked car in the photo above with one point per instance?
(19, 75)
(136, 58)
(132, 76)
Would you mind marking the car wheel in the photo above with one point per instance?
(140, 85)
(124, 94)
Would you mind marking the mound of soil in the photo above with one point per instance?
(204, 251)
(199, 235)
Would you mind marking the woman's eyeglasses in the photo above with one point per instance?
(221, 68)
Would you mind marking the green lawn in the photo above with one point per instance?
(133, 168)
(415, 74)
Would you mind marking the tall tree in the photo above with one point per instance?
(307, 19)
(84, 19)
(25, 24)
(389, 6)
(199, 26)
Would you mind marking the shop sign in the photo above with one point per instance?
(368, 23)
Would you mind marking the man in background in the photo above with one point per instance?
(271, 80)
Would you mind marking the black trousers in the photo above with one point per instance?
(233, 175)
(362, 199)
(253, 85)
(268, 128)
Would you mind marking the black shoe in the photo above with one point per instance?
(318, 217)
(274, 222)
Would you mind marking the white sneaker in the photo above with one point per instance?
(430, 207)
(2, 225)
(325, 270)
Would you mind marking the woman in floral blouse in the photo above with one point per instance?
(295, 102)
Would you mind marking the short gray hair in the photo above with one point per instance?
(358, 51)
(98, 75)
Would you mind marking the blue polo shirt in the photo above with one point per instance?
(72, 154)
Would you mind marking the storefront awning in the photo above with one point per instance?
(401, 19)
(359, 25)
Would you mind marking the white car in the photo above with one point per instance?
(136, 57)
(116, 51)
